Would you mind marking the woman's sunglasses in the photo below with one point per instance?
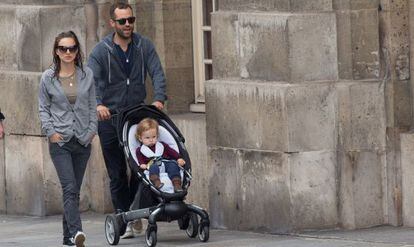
(122, 21)
(71, 49)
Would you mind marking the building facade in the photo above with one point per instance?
(306, 107)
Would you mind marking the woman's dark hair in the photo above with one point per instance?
(56, 59)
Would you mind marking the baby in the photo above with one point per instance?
(152, 151)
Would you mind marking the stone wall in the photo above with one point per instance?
(308, 87)
(28, 181)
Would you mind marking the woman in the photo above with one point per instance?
(67, 111)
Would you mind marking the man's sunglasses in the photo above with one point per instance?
(122, 21)
(71, 49)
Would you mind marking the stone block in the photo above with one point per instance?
(402, 104)
(392, 5)
(260, 106)
(224, 204)
(358, 44)
(393, 177)
(70, 18)
(178, 54)
(311, 117)
(313, 188)
(8, 44)
(264, 46)
(275, 116)
(225, 51)
(193, 128)
(28, 38)
(345, 66)
(355, 4)
(273, 44)
(312, 47)
(310, 5)
(24, 176)
(180, 89)
(266, 202)
(262, 5)
(395, 31)
(28, 44)
(32, 185)
(238, 175)
(2, 178)
(365, 44)
(407, 172)
(361, 188)
(19, 102)
(361, 110)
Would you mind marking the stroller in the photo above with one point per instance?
(149, 202)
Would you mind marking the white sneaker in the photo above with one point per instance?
(129, 233)
(137, 226)
(79, 239)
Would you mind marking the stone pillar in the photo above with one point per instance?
(394, 41)
(296, 115)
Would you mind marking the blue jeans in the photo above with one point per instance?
(171, 168)
(70, 162)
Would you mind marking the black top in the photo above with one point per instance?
(126, 57)
(1, 116)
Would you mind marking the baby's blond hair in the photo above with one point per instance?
(144, 125)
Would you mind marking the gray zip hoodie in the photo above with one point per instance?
(114, 89)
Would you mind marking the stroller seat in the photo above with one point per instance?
(163, 136)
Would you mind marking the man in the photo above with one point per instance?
(120, 63)
(1, 125)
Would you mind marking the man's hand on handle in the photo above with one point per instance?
(103, 112)
(158, 104)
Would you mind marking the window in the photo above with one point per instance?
(203, 63)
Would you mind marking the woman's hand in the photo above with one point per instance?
(91, 138)
(181, 162)
(55, 138)
(143, 166)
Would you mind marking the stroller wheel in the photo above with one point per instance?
(203, 233)
(112, 230)
(192, 228)
(150, 237)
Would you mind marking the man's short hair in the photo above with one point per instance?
(118, 5)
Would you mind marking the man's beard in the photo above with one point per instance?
(121, 34)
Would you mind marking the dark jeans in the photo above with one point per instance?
(171, 168)
(70, 162)
(122, 192)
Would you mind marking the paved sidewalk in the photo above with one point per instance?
(36, 232)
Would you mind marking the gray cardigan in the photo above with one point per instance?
(58, 116)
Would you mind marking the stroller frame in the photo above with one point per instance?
(164, 206)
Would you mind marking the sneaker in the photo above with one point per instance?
(129, 233)
(79, 239)
(67, 242)
(137, 226)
